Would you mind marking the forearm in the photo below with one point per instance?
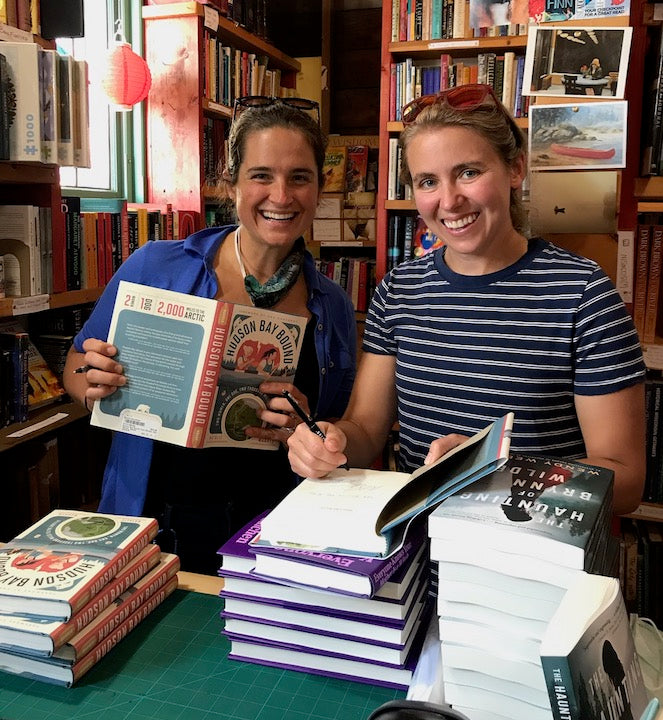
(613, 427)
(628, 485)
(362, 447)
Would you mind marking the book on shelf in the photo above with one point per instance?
(22, 65)
(588, 655)
(537, 507)
(652, 299)
(62, 673)
(334, 169)
(20, 245)
(65, 81)
(44, 387)
(355, 575)
(6, 110)
(14, 346)
(373, 507)
(55, 566)
(43, 636)
(48, 86)
(356, 168)
(217, 354)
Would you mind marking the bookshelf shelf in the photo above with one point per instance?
(43, 420)
(648, 511)
(468, 46)
(24, 172)
(12, 306)
(649, 188)
(217, 23)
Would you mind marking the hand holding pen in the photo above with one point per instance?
(308, 420)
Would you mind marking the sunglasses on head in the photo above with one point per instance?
(258, 102)
(462, 97)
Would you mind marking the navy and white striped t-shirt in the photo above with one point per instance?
(526, 338)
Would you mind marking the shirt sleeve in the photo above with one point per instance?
(608, 352)
(378, 332)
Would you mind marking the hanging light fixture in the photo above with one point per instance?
(127, 79)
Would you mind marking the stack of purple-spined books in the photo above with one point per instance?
(352, 617)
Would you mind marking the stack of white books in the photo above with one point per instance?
(72, 586)
(344, 616)
(509, 549)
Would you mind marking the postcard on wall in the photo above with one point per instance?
(562, 10)
(580, 136)
(573, 202)
(581, 61)
(193, 366)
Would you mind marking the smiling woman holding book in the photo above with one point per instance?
(492, 321)
(274, 177)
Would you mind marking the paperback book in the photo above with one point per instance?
(536, 507)
(367, 512)
(53, 568)
(194, 366)
(588, 655)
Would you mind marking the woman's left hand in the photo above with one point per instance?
(279, 415)
(442, 445)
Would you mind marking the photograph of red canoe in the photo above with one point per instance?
(593, 153)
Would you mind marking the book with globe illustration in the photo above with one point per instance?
(194, 366)
(54, 567)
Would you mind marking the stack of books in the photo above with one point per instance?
(508, 550)
(72, 586)
(343, 616)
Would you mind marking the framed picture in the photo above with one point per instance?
(573, 202)
(584, 136)
(581, 61)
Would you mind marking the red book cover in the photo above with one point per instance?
(356, 168)
(424, 240)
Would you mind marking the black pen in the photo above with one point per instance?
(82, 369)
(310, 422)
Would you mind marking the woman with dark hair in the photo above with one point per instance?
(274, 176)
(492, 321)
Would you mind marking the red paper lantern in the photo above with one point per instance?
(128, 77)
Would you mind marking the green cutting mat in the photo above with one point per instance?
(174, 666)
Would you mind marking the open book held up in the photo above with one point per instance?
(367, 512)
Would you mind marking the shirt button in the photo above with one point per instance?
(331, 363)
(319, 327)
(323, 371)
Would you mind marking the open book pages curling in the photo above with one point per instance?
(367, 512)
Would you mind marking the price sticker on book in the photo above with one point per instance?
(140, 422)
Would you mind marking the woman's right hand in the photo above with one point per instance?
(311, 456)
(104, 374)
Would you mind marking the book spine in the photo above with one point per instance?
(122, 582)
(653, 284)
(559, 683)
(108, 643)
(100, 628)
(114, 565)
(641, 274)
(208, 379)
(23, 70)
